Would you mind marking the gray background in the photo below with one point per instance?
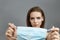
(15, 11)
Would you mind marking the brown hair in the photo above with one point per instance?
(33, 9)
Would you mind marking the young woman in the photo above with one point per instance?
(35, 18)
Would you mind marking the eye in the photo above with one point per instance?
(38, 17)
(31, 18)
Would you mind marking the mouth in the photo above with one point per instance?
(35, 25)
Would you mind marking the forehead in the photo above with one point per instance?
(35, 14)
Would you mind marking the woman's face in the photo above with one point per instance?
(36, 19)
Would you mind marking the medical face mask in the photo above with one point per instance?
(31, 33)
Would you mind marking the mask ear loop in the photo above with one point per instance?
(49, 30)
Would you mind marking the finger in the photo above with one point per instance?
(54, 37)
(8, 35)
(9, 32)
(12, 26)
(57, 29)
(55, 33)
(54, 29)
(10, 29)
(15, 34)
(13, 31)
(14, 38)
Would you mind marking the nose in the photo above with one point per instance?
(35, 20)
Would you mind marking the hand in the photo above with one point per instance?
(53, 34)
(11, 32)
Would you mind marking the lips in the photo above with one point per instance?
(35, 24)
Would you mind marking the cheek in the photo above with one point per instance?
(40, 21)
(31, 21)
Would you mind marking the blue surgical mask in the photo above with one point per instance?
(31, 33)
